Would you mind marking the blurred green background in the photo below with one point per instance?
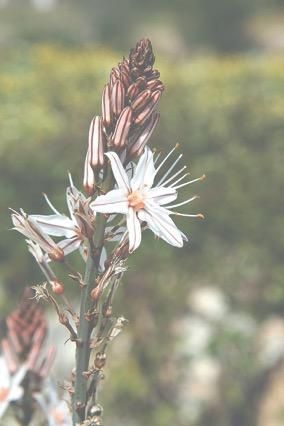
(205, 340)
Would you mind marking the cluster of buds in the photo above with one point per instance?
(129, 114)
(24, 342)
(25, 362)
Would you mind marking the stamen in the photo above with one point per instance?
(198, 215)
(70, 180)
(50, 204)
(167, 156)
(170, 169)
(175, 175)
(189, 182)
(183, 202)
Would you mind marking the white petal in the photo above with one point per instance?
(145, 171)
(162, 225)
(3, 407)
(4, 373)
(134, 230)
(69, 245)
(119, 173)
(15, 393)
(19, 375)
(161, 195)
(56, 225)
(114, 201)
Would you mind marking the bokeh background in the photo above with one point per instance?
(205, 340)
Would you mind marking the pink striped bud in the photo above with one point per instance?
(138, 144)
(122, 128)
(141, 100)
(96, 143)
(132, 91)
(106, 105)
(125, 78)
(155, 84)
(114, 76)
(147, 111)
(89, 177)
(117, 97)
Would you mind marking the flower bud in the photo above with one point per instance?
(114, 75)
(132, 91)
(125, 78)
(96, 143)
(141, 100)
(106, 105)
(137, 146)
(147, 111)
(122, 128)
(89, 177)
(117, 97)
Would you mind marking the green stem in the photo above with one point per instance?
(87, 324)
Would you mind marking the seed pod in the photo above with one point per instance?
(57, 287)
(141, 100)
(96, 143)
(100, 360)
(89, 176)
(117, 97)
(132, 91)
(57, 255)
(141, 139)
(147, 111)
(122, 128)
(106, 105)
(95, 293)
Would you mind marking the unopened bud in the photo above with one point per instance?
(100, 360)
(106, 105)
(138, 143)
(125, 78)
(57, 287)
(141, 100)
(132, 91)
(114, 75)
(147, 111)
(96, 143)
(122, 128)
(117, 97)
(89, 176)
(155, 84)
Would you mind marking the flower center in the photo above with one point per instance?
(3, 393)
(135, 200)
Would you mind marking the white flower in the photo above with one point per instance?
(73, 228)
(10, 389)
(141, 202)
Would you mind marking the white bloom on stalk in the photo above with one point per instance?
(10, 389)
(75, 228)
(140, 201)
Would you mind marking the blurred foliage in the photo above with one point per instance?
(176, 26)
(228, 116)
